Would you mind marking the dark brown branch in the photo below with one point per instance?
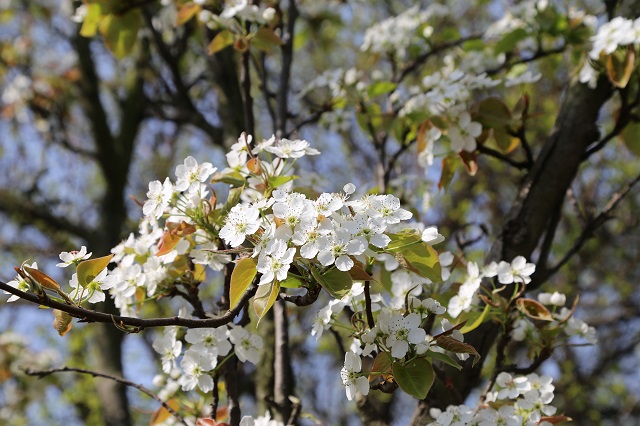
(285, 74)
(303, 300)
(43, 373)
(87, 315)
(540, 53)
(283, 385)
(367, 301)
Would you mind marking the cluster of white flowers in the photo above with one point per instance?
(518, 271)
(240, 9)
(516, 401)
(618, 32)
(396, 34)
(524, 329)
(201, 357)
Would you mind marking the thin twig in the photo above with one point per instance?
(520, 165)
(43, 373)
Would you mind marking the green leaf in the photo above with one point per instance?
(449, 166)
(631, 137)
(222, 40)
(505, 142)
(510, 40)
(381, 88)
(444, 358)
(265, 39)
(403, 239)
(473, 320)
(233, 178)
(291, 282)
(232, 200)
(456, 346)
(493, 112)
(241, 278)
(88, 270)
(91, 20)
(418, 257)
(276, 181)
(336, 282)
(121, 31)
(415, 378)
(265, 298)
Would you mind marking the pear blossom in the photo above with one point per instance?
(511, 387)
(241, 221)
(209, 340)
(246, 345)
(169, 348)
(207, 255)
(555, 298)
(190, 174)
(431, 236)
(275, 264)
(73, 257)
(463, 135)
(351, 379)
(401, 331)
(336, 248)
(159, 196)
(518, 271)
(286, 148)
(195, 366)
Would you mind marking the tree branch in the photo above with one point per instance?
(87, 315)
(43, 373)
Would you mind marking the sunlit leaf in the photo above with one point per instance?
(493, 112)
(222, 40)
(88, 270)
(120, 32)
(416, 255)
(415, 378)
(291, 282)
(91, 20)
(41, 278)
(187, 12)
(474, 319)
(241, 278)
(62, 322)
(265, 298)
(449, 166)
(161, 414)
(336, 282)
(276, 181)
(381, 88)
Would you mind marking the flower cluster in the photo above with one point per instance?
(515, 401)
(200, 359)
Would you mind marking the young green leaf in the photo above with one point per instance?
(265, 298)
(473, 320)
(415, 377)
(223, 39)
(336, 282)
(89, 269)
(241, 278)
